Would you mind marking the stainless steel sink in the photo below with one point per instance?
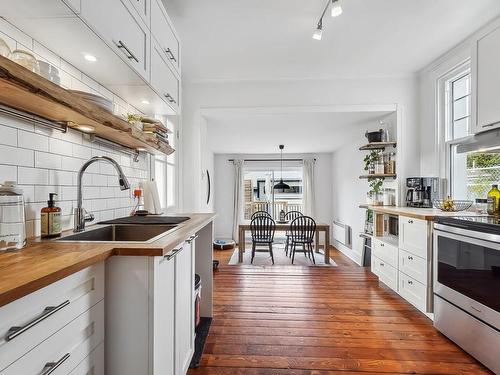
(121, 233)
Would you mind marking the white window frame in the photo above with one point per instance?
(444, 112)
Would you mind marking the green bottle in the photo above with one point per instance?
(493, 201)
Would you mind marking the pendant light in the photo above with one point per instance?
(281, 185)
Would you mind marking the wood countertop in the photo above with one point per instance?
(417, 213)
(44, 262)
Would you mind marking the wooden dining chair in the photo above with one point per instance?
(289, 216)
(260, 213)
(262, 228)
(302, 231)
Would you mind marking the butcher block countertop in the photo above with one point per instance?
(417, 213)
(44, 262)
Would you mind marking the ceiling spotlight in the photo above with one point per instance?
(145, 101)
(89, 57)
(318, 33)
(336, 8)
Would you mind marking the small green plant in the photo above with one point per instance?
(375, 184)
(371, 158)
(132, 117)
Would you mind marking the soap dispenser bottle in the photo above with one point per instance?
(51, 219)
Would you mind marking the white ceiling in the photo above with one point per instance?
(299, 132)
(271, 39)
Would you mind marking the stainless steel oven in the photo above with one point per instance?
(467, 286)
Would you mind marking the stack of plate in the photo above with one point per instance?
(96, 99)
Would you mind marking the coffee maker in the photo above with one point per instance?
(421, 191)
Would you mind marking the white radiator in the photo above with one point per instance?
(342, 233)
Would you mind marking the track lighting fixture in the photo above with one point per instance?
(318, 33)
(336, 10)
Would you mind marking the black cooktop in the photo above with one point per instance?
(486, 224)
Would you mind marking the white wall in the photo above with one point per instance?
(198, 97)
(224, 185)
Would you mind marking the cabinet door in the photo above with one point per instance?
(487, 82)
(164, 315)
(413, 266)
(164, 34)
(413, 236)
(143, 8)
(124, 33)
(163, 79)
(184, 314)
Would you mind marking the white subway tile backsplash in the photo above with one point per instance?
(58, 146)
(8, 173)
(34, 176)
(16, 156)
(33, 141)
(46, 160)
(9, 136)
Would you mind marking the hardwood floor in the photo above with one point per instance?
(312, 320)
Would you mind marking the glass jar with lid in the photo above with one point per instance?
(12, 220)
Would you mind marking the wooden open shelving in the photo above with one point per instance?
(380, 175)
(26, 91)
(377, 145)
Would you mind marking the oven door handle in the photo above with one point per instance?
(466, 235)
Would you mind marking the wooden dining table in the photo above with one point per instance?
(283, 227)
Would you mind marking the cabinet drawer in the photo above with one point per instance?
(386, 252)
(70, 296)
(164, 34)
(125, 34)
(65, 349)
(93, 364)
(163, 79)
(413, 291)
(386, 273)
(413, 266)
(413, 236)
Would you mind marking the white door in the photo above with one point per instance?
(164, 318)
(184, 309)
(487, 74)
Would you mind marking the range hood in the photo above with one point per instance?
(484, 142)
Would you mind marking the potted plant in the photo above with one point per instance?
(375, 187)
(370, 160)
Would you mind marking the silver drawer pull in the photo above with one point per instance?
(382, 245)
(192, 238)
(172, 254)
(171, 56)
(48, 311)
(410, 257)
(50, 367)
(410, 221)
(382, 264)
(410, 282)
(131, 56)
(169, 98)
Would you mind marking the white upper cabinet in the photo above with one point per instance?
(143, 7)
(486, 81)
(163, 80)
(164, 34)
(121, 29)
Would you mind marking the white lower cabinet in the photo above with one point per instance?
(149, 313)
(65, 349)
(413, 291)
(413, 265)
(31, 321)
(386, 273)
(93, 364)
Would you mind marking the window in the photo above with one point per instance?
(166, 172)
(471, 174)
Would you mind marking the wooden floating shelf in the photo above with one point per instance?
(26, 91)
(377, 145)
(385, 175)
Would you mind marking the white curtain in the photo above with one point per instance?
(237, 197)
(308, 187)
